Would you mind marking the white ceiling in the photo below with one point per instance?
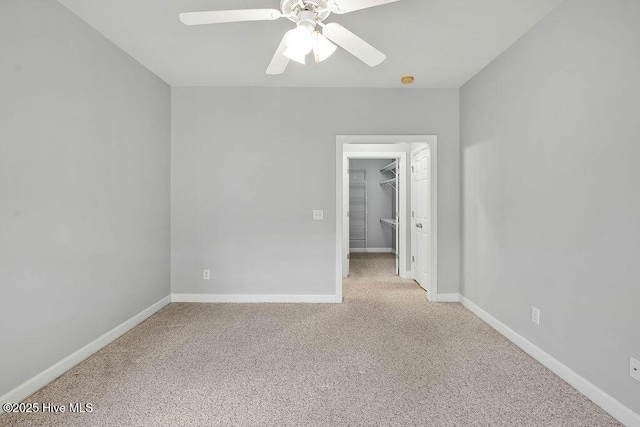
(443, 43)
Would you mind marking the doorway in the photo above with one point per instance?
(410, 191)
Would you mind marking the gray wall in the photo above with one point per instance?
(250, 164)
(379, 202)
(84, 187)
(550, 137)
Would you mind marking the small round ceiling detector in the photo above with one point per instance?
(407, 80)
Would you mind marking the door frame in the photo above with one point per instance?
(382, 146)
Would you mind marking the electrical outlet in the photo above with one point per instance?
(318, 215)
(206, 274)
(535, 315)
(634, 368)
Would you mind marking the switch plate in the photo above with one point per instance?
(634, 368)
(318, 215)
(535, 315)
(206, 274)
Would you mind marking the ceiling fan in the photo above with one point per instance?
(297, 43)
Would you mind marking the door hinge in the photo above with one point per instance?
(413, 215)
(413, 258)
(411, 168)
(397, 256)
(348, 214)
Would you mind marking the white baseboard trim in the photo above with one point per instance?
(253, 298)
(34, 384)
(447, 298)
(372, 250)
(616, 409)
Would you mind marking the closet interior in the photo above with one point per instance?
(373, 213)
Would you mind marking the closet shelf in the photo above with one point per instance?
(390, 222)
(358, 233)
(391, 168)
(390, 182)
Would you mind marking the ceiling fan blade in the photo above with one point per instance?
(222, 16)
(279, 62)
(345, 6)
(353, 44)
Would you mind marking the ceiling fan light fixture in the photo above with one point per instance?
(294, 56)
(299, 43)
(322, 47)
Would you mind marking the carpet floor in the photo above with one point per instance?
(384, 357)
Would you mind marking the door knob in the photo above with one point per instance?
(419, 225)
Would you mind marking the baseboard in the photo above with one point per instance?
(616, 409)
(447, 298)
(372, 250)
(253, 298)
(34, 384)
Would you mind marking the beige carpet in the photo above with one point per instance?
(384, 357)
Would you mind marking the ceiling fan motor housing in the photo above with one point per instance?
(294, 10)
(308, 19)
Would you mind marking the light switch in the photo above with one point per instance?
(634, 368)
(318, 215)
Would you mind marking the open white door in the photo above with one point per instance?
(420, 216)
(345, 216)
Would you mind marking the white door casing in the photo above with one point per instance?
(375, 146)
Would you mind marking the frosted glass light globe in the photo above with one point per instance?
(299, 41)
